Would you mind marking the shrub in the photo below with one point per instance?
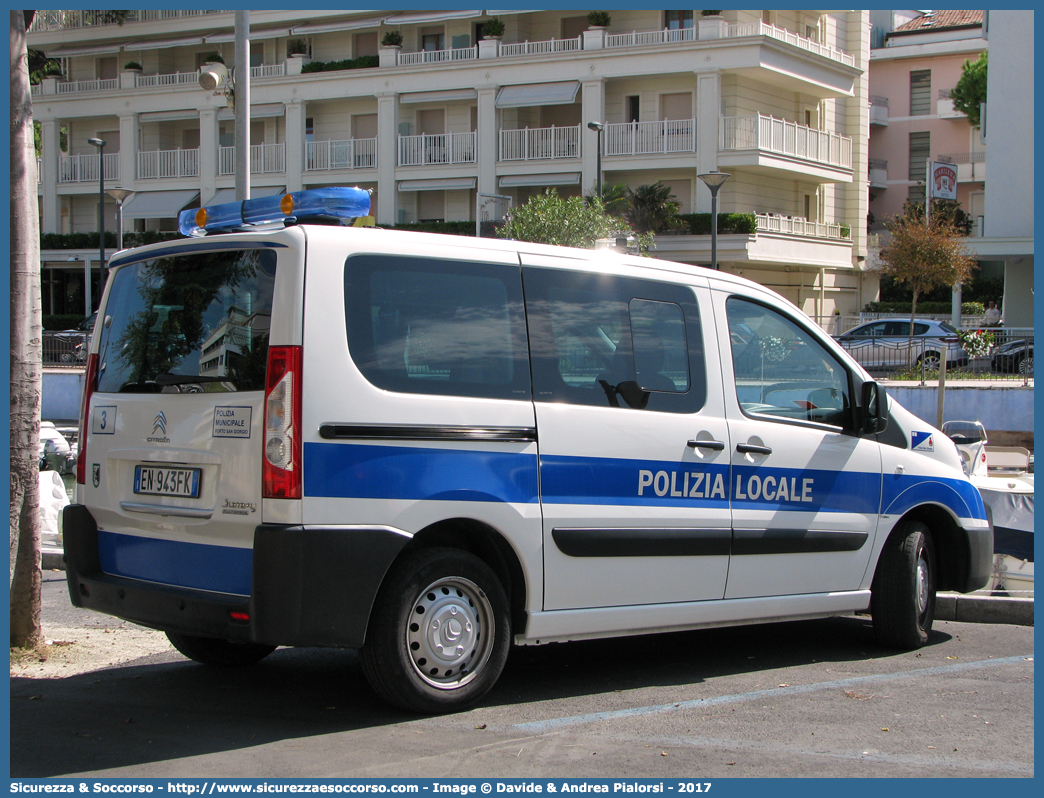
(213, 58)
(928, 308)
(599, 19)
(132, 65)
(446, 228)
(297, 46)
(699, 224)
(62, 321)
(392, 39)
(494, 26)
(362, 62)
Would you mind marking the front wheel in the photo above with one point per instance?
(439, 634)
(211, 651)
(929, 361)
(902, 598)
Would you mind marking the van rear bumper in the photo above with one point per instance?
(311, 586)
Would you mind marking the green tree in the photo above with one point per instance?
(947, 212)
(654, 209)
(924, 256)
(970, 90)
(568, 222)
(615, 198)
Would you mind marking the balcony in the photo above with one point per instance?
(540, 48)
(650, 138)
(971, 166)
(436, 56)
(541, 143)
(326, 156)
(71, 20)
(171, 79)
(799, 226)
(438, 149)
(642, 38)
(84, 168)
(944, 106)
(878, 110)
(168, 164)
(771, 137)
(878, 173)
(269, 70)
(76, 86)
(264, 159)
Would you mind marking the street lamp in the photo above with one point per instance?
(120, 195)
(597, 127)
(714, 180)
(101, 207)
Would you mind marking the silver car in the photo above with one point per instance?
(888, 344)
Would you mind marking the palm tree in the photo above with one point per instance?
(654, 209)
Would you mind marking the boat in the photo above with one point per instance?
(1004, 478)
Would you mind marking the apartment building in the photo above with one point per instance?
(453, 125)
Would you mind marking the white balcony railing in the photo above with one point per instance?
(433, 149)
(269, 70)
(168, 163)
(84, 168)
(73, 86)
(637, 38)
(649, 138)
(171, 79)
(64, 20)
(437, 56)
(324, 156)
(759, 28)
(540, 48)
(798, 226)
(540, 143)
(264, 159)
(767, 133)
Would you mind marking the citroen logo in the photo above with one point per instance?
(159, 423)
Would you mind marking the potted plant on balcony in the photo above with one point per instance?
(213, 58)
(594, 36)
(712, 25)
(297, 48)
(132, 66)
(129, 78)
(391, 43)
(493, 28)
(598, 19)
(391, 39)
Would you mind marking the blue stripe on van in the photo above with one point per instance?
(905, 491)
(221, 569)
(359, 471)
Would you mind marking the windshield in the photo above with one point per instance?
(188, 324)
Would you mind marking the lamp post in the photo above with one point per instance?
(597, 128)
(101, 212)
(714, 181)
(120, 195)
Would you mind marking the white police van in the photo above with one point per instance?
(431, 447)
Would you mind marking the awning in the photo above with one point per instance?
(330, 27)
(97, 49)
(443, 184)
(562, 93)
(158, 204)
(229, 194)
(551, 179)
(424, 17)
(256, 111)
(160, 44)
(168, 116)
(255, 35)
(448, 95)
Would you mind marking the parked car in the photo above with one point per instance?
(886, 344)
(1014, 357)
(64, 346)
(55, 452)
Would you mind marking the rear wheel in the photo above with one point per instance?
(929, 361)
(903, 592)
(439, 634)
(211, 651)
(1026, 366)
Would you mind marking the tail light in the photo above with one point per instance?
(281, 469)
(950, 340)
(90, 382)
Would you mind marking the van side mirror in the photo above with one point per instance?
(873, 409)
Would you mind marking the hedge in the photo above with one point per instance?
(931, 308)
(446, 228)
(362, 62)
(62, 321)
(90, 240)
(699, 224)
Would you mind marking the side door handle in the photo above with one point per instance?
(716, 446)
(750, 448)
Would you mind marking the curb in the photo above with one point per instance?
(52, 559)
(971, 608)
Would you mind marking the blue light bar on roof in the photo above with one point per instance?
(340, 204)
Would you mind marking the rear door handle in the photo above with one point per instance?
(750, 448)
(717, 446)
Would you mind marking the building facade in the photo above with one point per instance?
(455, 126)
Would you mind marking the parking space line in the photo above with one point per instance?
(542, 726)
